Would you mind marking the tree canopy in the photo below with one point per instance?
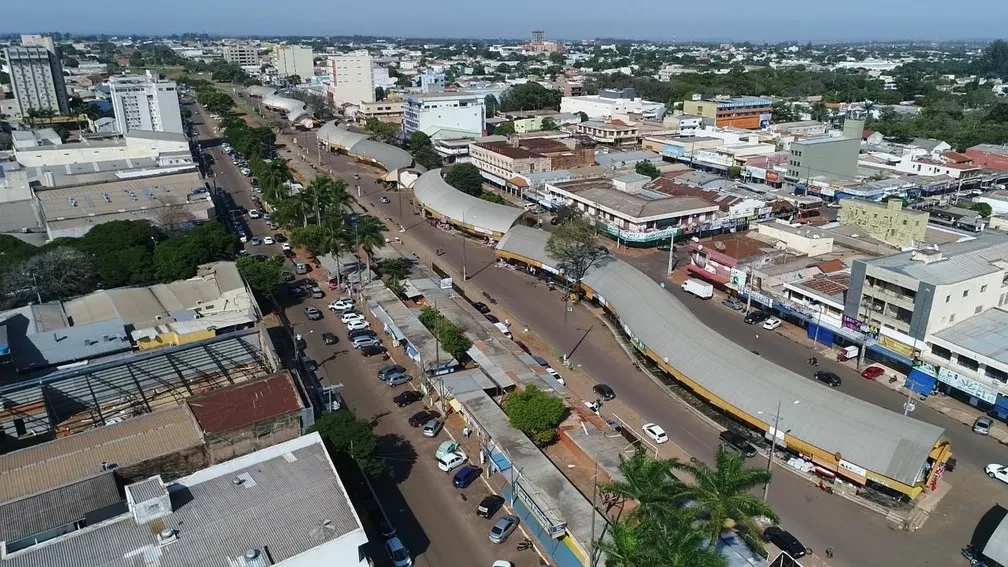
(530, 96)
(647, 168)
(178, 257)
(265, 277)
(504, 129)
(385, 132)
(984, 209)
(576, 248)
(536, 414)
(348, 437)
(465, 177)
(451, 338)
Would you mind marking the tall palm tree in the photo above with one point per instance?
(623, 546)
(369, 234)
(671, 540)
(646, 481)
(724, 493)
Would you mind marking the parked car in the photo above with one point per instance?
(280, 238)
(604, 391)
(481, 307)
(255, 241)
(737, 442)
(503, 528)
(828, 378)
(313, 313)
(452, 461)
(784, 541)
(329, 338)
(286, 247)
(384, 200)
(351, 316)
(357, 325)
(982, 425)
(491, 318)
(309, 364)
(342, 304)
(397, 380)
(733, 304)
(406, 398)
(655, 432)
(999, 472)
(254, 214)
(432, 427)
(385, 371)
(316, 292)
(422, 417)
(872, 372)
(444, 448)
(372, 350)
(398, 552)
(362, 333)
(465, 476)
(268, 240)
(361, 342)
(754, 317)
(771, 323)
(489, 506)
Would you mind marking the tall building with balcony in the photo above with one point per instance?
(457, 112)
(36, 75)
(352, 78)
(241, 54)
(145, 103)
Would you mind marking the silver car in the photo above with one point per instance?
(503, 528)
(982, 425)
(367, 340)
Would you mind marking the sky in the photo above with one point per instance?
(662, 20)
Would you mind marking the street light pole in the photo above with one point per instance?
(773, 445)
(464, 277)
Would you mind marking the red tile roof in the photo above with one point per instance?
(239, 406)
(831, 266)
(956, 157)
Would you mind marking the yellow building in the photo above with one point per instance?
(888, 222)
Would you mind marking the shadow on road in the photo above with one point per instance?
(399, 454)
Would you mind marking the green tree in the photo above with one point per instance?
(984, 209)
(536, 414)
(529, 96)
(427, 157)
(491, 104)
(582, 115)
(383, 131)
(465, 177)
(504, 129)
(734, 172)
(724, 493)
(369, 234)
(782, 112)
(646, 481)
(647, 168)
(13, 250)
(396, 269)
(548, 124)
(58, 272)
(576, 248)
(417, 141)
(379, 93)
(264, 277)
(669, 540)
(493, 198)
(347, 437)
(451, 338)
(177, 258)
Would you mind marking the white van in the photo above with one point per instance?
(503, 328)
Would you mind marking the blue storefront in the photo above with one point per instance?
(926, 379)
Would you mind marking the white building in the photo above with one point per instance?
(456, 111)
(37, 79)
(608, 103)
(145, 103)
(353, 78)
(241, 54)
(291, 60)
(160, 149)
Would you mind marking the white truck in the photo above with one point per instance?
(703, 290)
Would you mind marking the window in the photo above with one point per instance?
(965, 293)
(948, 298)
(983, 288)
(978, 309)
(951, 318)
(967, 362)
(941, 352)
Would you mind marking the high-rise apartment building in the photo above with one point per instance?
(455, 111)
(291, 60)
(352, 78)
(37, 75)
(538, 37)
(145, 103)
(241, 54)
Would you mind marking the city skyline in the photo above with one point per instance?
(785, 20)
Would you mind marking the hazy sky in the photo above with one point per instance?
(753, 20)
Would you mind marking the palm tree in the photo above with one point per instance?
(370, 234)
(723, 494)
(623, 547)
(646, 481)
(670, 539)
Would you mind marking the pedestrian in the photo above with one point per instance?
(829, 552)
(465, 432)
(507, 322)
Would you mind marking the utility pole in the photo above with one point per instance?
(748, 302)
(463, 249)
(773, 444)
(671, 252)
(591, 545)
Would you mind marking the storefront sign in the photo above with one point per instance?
(859, 326)
(772, 176)
(557, 529)
(737, 279)
(896, 346)
(968, 385)
(760, 298)
(852, 471)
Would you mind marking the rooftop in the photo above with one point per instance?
(246, 404)
(960, 261)
(217, 520)
(507, 150)
(439, 95)
(642, 205)
(830, 286)
(58, 506)
(985, 334)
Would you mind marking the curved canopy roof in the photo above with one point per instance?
(874, 438)
(434, 193)
(361, 145)
(338, 136)
(294, 108)
(260, 91)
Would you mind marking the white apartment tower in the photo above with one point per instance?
(352, 77)
(241, 54)
(37, 75)
(291, 60)
(144, 103)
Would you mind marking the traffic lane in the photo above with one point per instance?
(438, 507)
(971, 450)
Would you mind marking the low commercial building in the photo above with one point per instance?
(200, 519)
(991, 156)
(429, 112)
(612, 133)
(888, 222)
(800, 128)
(610, 102)
(747, 112)
(499, 162)
(360, 146)
(630, 212)
(801, 239)
(456, 150)
(135, 149)
(624, 160)
(684, 124)
(384, 110)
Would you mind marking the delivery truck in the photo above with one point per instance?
(703, 290)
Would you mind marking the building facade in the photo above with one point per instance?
(430, 112)
(145, 103)
(384, 110)
(241, 54)
(989, 155)
(352, 78)
(888, 221)
(36, 76)
(291, 60)
(837, 156)
(608, 103)
(613, 133)
(747, 112)
(500, 161)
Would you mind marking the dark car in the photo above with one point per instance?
(481, 307)
(279, 238)
(406, 398)
(372, 350)
(604, 391)
(361, 333)
(422, 417)
(737, 442)
(392, 369)
(329, 338)
(309, 364)
(522, 346)
(828, 378)
(289, 253)
(491, 318)
(784, 541)
(755, 317)
(489, 506)
(466, 476)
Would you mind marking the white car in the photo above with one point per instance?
(398, 552)
(357, 325)
(556, 375)
(351, 316)
(655, 432)
(502, 563)
(342, 304)
(246, 171)
(999, 472)
(254, 214)
(268, 240)
(771, 323)
(286, 247)
(452, 460)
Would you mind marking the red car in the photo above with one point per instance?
(872, 372)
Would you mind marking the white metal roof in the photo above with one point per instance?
(432, 191)
(294, 108)
(864, 434)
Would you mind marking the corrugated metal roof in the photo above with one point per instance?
(147, 489)
(239, 406)
(985, 334)
(342, 138)
(433, 192)
(867, 435)
(391, 158)
(58, 507)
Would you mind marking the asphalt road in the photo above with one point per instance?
(859, 537)
(436, 524)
